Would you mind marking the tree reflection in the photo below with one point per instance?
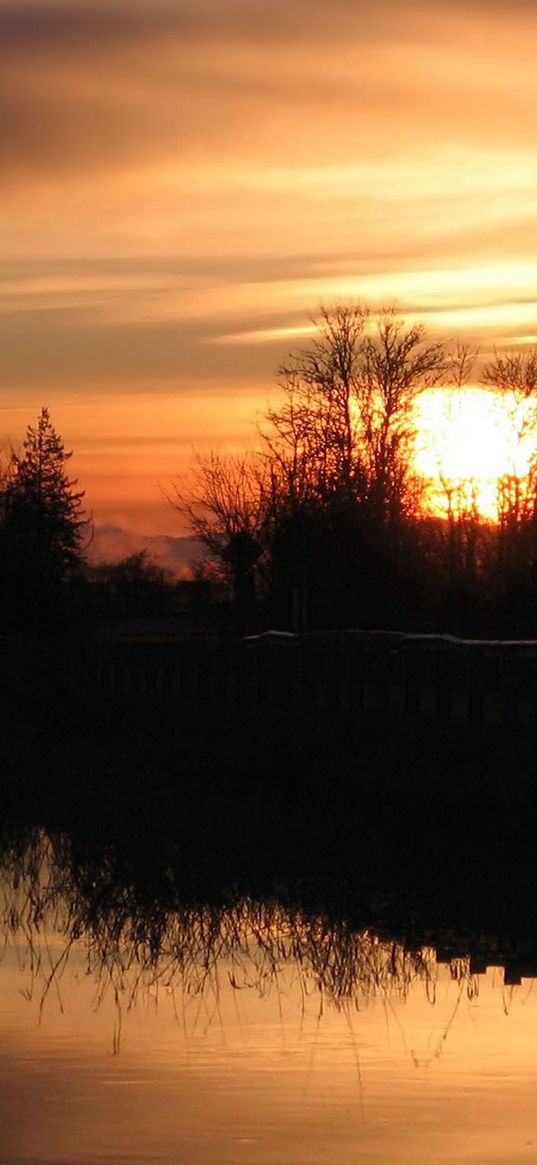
(139, 931)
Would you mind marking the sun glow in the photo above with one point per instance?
(469, 440)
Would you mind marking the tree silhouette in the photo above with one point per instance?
(225, 507)
(339, 457)
(331, 523)
(313, 439)
(323, 514)
(513, 376)
(43, 519)
(396, 365)
(134, 585)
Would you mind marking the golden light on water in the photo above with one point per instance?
(471, 439)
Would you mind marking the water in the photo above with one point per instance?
(244, 1032)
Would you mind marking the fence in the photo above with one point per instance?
(363, 674)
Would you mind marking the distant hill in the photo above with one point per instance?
(111, 543)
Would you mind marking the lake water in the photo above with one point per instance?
(247, 1035)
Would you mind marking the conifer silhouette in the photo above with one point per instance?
(44, 516)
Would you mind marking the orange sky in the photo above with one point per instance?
(184, 182)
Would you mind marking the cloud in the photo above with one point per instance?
(86, 28)
(81, 352)
(98, 89)
(145, 325)
(48, 23)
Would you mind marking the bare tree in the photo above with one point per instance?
(462, 530)
(396, 366)
(312, 440)
(461, 361)
(224, 504)
(513, 374)
(347, 422)
(324, 505)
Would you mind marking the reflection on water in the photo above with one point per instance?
(54, 901)
(248, 1030)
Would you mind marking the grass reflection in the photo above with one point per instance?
(140, 931)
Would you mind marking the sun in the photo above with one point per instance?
(472, 437)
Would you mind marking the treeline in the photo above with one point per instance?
(327, 524)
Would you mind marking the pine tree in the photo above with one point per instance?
(44, 520)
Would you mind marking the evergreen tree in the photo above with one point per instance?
(44, 520)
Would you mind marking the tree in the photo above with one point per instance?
(312, 463)
(339, 454)
(397, 364)
(43, 521)
(225, 506)
(513, 375)
(457, 543)
(313, 439)
(134, 585)
(324, 511)
(346, 425)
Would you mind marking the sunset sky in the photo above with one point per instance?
(184, 182)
